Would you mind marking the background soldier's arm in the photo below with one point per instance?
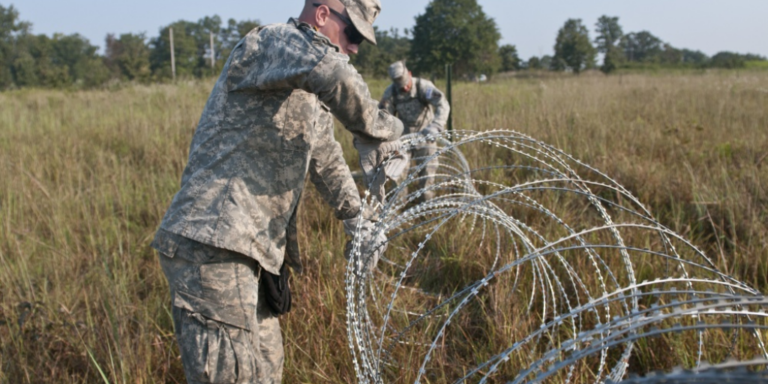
(437, 99)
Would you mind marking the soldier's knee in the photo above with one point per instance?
(212, 351)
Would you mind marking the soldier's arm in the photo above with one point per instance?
(387, 101)
(272, 59)
(330, 174)
(343, 90)
(437, 99)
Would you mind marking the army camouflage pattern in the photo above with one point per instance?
(423, 105)
(225, 330)
(363, 14)
(426, 175)
(268, 123)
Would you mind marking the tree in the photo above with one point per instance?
(731, 60)
(191, 43)
(612, 60)
(555, 64)
(573, 48)
(548, 62)
(374, 61)
(236, 30)
(232, 34)
(10, 28)
(534, 63)
(753, 57)
(28, 60)
(670, 55)
(641, 47)
(697, 58)
(609, 33)
(510, 61)
(185, 50)
(57, 61)
(728, 60)
(79, 56)
(128, 56)
(455, 32)
(10, 24)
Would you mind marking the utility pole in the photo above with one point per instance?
(213, 53)
(449, 75)
(173, 56)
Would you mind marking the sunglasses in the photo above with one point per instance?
(353, 35)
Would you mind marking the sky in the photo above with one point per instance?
(707, 25)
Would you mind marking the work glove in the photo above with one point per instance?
(432, 131)
(396, 164)
(371, 246)
(373, 155)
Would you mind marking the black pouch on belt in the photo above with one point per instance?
(277, 293)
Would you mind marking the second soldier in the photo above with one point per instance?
(423, 109)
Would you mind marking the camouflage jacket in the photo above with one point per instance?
(423, 105)
(268, 123)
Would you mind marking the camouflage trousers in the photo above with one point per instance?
(225, 330)
(426, 176)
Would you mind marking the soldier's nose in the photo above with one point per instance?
(353, 48)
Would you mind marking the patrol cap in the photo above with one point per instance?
(363, 13)
(399, 74)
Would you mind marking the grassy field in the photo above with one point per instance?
(87, 176)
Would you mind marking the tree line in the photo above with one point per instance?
(574, 51)
(36, 60)
(456, 32)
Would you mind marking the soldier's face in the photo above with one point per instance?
(347, 47)
(333, 25)
(407, 87)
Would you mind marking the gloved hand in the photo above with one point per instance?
(396, 164)
(371, 246)
(432, 131)
(375, 154)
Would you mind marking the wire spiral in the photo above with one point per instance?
(530, 266)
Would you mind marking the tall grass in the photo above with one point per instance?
(86, 177)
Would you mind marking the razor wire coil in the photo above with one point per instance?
(530, 266)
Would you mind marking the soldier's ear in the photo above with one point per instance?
(322, 13)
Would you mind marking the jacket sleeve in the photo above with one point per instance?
(330, 174)
(343, 90)
(430, 94)
(387, 102)
(281, 57)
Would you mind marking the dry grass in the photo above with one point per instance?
(87, 176)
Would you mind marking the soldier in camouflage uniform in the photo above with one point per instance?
(267, 124)
(422, 108)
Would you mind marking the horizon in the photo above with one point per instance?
(532, 28)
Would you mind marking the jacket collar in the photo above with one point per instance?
(316, 35)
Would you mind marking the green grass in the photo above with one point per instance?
(87, 176)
